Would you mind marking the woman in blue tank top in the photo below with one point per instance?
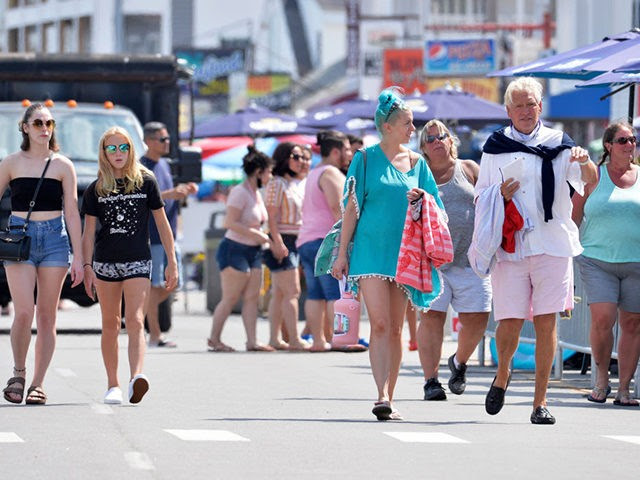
(608, 216)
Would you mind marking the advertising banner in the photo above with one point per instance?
(271, 90)
(459, 57)
(404, 67)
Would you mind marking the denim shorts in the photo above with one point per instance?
(238, 256)
(324, 287)
(159, 263)
(49, 242)
(289, 262)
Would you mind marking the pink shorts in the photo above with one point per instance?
(537, 285)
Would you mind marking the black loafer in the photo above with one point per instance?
(494, 401)
(433, 390)
(458, 380)
(541, 416)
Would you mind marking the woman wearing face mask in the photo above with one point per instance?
(48, 262)
(283, 198)
(609, 214)
(239, 254)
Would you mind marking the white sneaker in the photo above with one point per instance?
(113, 396)
(138, 386)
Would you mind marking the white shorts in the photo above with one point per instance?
(464, 290)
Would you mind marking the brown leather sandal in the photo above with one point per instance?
(15, 390)
(35, 396)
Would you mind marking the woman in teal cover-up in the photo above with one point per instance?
(377, 192)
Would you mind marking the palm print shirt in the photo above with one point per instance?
(123, 232)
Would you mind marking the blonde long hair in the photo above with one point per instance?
(133, 170)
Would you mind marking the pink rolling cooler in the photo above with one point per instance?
(346, 323)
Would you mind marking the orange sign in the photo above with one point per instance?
(486, 88)
(404, 67)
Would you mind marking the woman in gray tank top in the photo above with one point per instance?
(468, 294)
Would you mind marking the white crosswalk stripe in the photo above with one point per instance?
(207, 436)
(10, 437)
(425, 437)
(139, 460)
(101, 409)
(625, 438)
(66, 372)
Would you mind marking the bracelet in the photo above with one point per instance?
(586, 162)
(87, 265)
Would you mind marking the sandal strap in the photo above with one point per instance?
(36, 392)
(19, 380)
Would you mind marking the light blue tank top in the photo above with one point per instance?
(610, 231)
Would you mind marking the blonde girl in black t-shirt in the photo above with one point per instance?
(122, 198)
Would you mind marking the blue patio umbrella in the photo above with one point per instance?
(254, 122)
(450, 104)
(586, 63)
(356, 108)
(343, 122)
(581, 63)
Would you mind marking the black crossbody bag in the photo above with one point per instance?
(15, 246)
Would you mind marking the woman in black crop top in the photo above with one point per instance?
(122, 198)
(48, 263)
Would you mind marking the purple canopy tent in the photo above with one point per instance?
(252, 122)
(455, 104)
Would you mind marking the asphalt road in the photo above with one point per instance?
(294, 415)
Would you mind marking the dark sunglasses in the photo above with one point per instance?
(163, 139)
(297, 156)
(38, 123)
(433, 138)
(624, 140)
(123, 147)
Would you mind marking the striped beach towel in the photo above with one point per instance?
(426, 243)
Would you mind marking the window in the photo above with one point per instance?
(142, 34)
(13, 40)
(84, 35)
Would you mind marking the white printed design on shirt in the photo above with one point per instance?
(121, 212)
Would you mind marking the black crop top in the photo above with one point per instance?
(49, 196)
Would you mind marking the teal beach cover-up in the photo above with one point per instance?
(381, 207)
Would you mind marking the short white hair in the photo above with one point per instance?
(523, 84)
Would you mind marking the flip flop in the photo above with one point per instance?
(395, 415)
(599, 392)
(625, 399)
(221, 347)
(261, 348)
(382, 411)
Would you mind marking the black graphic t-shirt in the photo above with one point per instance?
(123, 232)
